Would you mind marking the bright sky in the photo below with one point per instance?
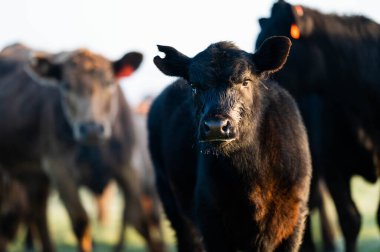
(114, 27)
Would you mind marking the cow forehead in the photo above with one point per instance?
(87, 61)
(84, 66)
(220, 64)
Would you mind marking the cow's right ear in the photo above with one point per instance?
(174, 63)
(43, 69)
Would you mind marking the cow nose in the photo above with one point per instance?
(218, 129)
(91, 130)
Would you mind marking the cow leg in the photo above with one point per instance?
(292, 244)
(308, 243)
(78, 215)
(102, 201)
(134, 212)
(188, 239)
(212, 229)
(127, 182)
(67, 187)
(316, 201)
(150, 224)
(29, 243)
(349, 216)
(38, 193)
(378, 215)
(328, 236)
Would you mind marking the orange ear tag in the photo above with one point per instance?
(299, 10)
(295, 31)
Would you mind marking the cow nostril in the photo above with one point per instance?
(101, 129)
(206, 127)
(226, 127)
(82, 129)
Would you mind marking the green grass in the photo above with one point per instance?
(105, 236)
(365, 195)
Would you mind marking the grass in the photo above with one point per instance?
(365, 195)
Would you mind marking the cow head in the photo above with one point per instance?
(286, 20)
(87, 83)
(226, 84)
(307, 67)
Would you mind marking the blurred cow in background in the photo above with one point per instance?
(13, 208)
(333, 72)
(64, 115)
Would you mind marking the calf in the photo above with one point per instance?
(64, 116)
(333, 75)
(230, 150)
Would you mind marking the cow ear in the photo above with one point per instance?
(42, 68)
(262, 22)
(174, 63)
(125, 66)
(272, 54)
(303, 24)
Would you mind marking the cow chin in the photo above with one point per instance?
(217, 147)
(91, 140)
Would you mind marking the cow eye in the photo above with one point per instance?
(246, 83)
(194, 87)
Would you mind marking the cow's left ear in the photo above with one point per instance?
(125, 66)
(43, 68)
(272, 54)
(262, 22)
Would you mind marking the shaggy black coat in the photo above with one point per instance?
(332, 72)
(244, 190)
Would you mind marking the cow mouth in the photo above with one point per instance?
(216, 146)
(93, 140)
(218, 140)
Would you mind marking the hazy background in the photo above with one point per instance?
(114, 27)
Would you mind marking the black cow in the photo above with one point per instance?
(333, 74)
(65, 118)
(230, 150)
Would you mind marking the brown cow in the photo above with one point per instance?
(65, 116)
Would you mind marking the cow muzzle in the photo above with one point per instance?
(91, 132)
(217, 129)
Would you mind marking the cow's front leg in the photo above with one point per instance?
(126, 179)
(61, 169)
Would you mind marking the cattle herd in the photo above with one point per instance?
(233, 153)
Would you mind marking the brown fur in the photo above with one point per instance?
(64, 116)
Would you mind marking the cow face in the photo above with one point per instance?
(285, 20)
(87, 83)
(226, 87)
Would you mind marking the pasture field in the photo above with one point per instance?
(365, 195)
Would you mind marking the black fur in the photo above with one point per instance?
(332, 72)
(249, 192)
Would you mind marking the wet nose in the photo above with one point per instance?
(91, 130)
(218, 129)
